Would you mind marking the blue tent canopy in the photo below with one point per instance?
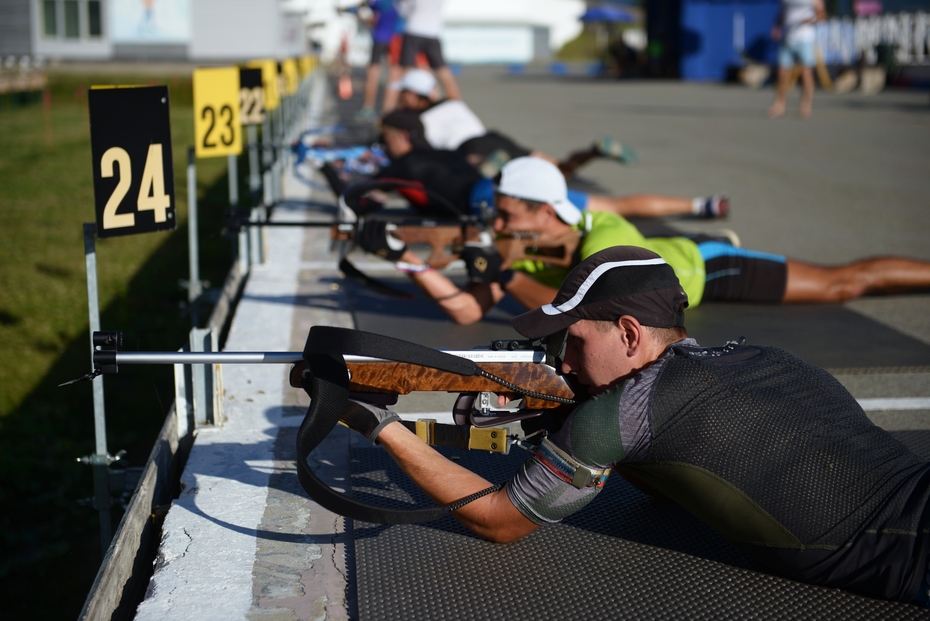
(607, 13)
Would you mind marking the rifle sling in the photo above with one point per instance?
(359, 277)
(329, 393)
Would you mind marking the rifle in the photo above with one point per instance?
(339, 364)
(448, 236)
(445, 233)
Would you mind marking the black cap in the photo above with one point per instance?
(622, 280)
(410, 122)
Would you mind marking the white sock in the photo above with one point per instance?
(697, 205)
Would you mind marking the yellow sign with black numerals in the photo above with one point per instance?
(307, 64)
(217, 129)
(291, 76)
(130, 140)
(269, 69)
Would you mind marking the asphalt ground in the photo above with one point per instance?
(850, 183)
(243, 541)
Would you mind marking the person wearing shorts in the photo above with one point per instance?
(385, 44)
(794, 30)
(532, 197)
(421, 36)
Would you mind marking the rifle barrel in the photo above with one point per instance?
(293, 357)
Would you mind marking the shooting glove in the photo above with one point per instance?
(374, 236)
(367, 419)
(483, 263)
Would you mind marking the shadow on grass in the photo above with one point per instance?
(50, 541)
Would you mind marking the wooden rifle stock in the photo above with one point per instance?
(401, 378)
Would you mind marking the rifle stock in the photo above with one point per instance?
(400, 378)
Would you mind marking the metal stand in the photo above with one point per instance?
(100, 460)
(255, 173)
(194, 286)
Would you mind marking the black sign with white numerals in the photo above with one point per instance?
(251, 96)
(130, 137)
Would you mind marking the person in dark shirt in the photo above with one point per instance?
(450, 174)
(773, 453)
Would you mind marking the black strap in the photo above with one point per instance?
(329, 394)
(358, 276)
(353, 194)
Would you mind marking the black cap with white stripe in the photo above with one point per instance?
(622, 280)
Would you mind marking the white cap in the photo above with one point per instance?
(416, 81)
(535, 179)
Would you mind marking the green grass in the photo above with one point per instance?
(49, 542)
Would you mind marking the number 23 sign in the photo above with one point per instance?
(130, 135)
(217, 129)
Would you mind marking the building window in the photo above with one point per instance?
(72, 20)
(49, 18)
(94, 22)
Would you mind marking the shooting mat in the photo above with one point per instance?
(829, 336)
(624, 556)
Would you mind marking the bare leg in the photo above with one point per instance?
(658, 206)
(576, 160)
(544, 156)
(395, 73)
(887, 275)
(807, 92)
(371, 86)
(781, 94)
(448, 83)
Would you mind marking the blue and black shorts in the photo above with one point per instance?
(737, 274)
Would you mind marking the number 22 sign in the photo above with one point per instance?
(130, 136)
(217, 129)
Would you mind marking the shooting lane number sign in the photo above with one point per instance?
(130, 138)
(217, 129)
(269, 81)
(251, 96)
(291, 76)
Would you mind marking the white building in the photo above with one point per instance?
(476, 31)
(199, 30)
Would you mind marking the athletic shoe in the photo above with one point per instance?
(729, 236)
(366, 115)
(615, 150)
(493, 163)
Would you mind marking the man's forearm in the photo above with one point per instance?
(529, 292)
(463, 307)
(492, 517)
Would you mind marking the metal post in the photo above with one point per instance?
(255, 173)
(194, 288)
(233, 181)
(267, 139)
(100, 459)
(202, 376)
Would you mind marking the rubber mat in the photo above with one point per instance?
(829, 336)
(625, 556)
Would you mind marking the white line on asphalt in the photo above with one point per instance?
(901, 403)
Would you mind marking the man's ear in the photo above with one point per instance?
(632, 333)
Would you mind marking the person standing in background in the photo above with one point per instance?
(421, 34)
(386, 39)
(794, 29)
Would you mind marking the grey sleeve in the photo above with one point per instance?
(592, 436)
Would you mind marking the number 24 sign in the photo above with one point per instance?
(217, 128)
(130, 135)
